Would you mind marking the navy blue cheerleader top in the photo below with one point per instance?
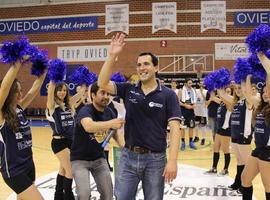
(62, 122)
(238, 119)
(16, 148)
(221, 112)
(261, 131)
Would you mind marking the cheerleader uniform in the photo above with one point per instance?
(63, 124)
(262, 149)
(223, 129)
(17, 165)
(262, 139)
(241, 133)
(241, 123)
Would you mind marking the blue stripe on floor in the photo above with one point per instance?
(39, 122)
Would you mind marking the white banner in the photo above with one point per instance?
(117, 18)
(213, 15)
(164, 16)
(83, 53)
(230, 51)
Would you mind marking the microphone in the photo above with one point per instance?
(107, 139)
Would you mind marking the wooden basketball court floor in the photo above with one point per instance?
(46, 162)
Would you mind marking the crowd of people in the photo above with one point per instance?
(235, 114)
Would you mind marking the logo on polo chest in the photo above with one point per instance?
(153, 104)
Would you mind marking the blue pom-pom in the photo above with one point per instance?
(40, 62)
(118, 78)
(242, 69)
(258, 71)
(13, 51)
(57, 70)
(222, 78)
(218, 79)
(79, 75)
(259, 39)
(91, 78)
(82, 76)
(209, 82)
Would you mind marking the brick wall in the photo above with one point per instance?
(127, 60)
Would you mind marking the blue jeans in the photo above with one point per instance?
(101, 173)
(133, 168)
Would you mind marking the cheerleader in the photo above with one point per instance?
(60, 114)
(259, 161)
(240, 132)
(222, 136)
(17, 165)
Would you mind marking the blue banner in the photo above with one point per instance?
(71, 86)
(48, 25)
(251, 18)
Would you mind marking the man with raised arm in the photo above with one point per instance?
(150, 107)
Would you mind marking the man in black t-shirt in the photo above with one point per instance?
(93, 123)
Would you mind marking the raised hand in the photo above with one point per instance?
(248, 85)
(117, 44)
(265, 62)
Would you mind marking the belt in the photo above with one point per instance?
(58, 137)
(138, 149)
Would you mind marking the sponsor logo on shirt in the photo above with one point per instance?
(133, 100)
(153, 104)
(136, 93)
(18, 136)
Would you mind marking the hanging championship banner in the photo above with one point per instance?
(213, 15)
(164, 16)
(117, 18)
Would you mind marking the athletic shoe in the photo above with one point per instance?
(192, 145)
(211, 171)
(234, 186)
(183, 146)
(196, 139)
(224, 172)
(240, 190)
(202, 141)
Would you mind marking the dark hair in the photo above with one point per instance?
(264, 108)
(94, 89)
(188, 79)
(8, 111)
(58, 87)
(153, 57)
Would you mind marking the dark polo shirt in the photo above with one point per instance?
(147, 116)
